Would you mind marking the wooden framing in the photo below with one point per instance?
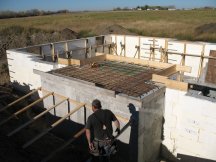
(77, 135)
(36, 117)
(170, 83)
(86, 106)
(18, 100)
(25, 108)
(52, 126)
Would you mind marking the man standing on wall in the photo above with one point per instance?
(99, 124)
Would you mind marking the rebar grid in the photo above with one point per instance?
(120, 77)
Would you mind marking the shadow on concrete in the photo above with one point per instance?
(133, 142)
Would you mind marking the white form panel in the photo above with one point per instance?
(120, 40)
(175, 47)
(193, 62)
(144, 48)
(46, 50)
(131, 42)
(59, 47)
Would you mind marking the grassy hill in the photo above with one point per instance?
(198, 25)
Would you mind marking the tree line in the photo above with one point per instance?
(33, 12)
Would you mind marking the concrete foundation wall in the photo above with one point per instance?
(190, 125)
(21, 65)
(150, 110)
(150, 123)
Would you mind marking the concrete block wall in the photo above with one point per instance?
(150, 110)
(190, 125)
(21, 65)
(151, 121)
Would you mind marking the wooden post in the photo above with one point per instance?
(66, 49)
(166, 57)
(52, 51)
(201, 61)
(52, 126)
(36, 117)
(24, 109)
(23, 97)
(181, 75)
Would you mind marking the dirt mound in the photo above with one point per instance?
(69, 34)
(206, 28)
(113, 29)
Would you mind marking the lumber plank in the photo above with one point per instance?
(21, 98)
(52, 126)
(24, 109)
(35, 118)
(170, 83)
(138, 61)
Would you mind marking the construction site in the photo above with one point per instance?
(170, 83)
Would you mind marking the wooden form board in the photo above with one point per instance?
(102, 57)
(211, 71)
(170, 83)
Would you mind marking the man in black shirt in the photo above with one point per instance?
(99, 124)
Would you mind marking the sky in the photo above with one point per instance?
(79, 5)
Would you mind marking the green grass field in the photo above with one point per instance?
(196, 25)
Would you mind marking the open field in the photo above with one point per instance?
(198, 25)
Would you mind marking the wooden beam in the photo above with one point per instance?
(183, 68)
(168, 71)
(98, 58)
(87, 106)
(24, 109)
(69, 61)
(52, 126)
(138, 61)
(21, 98)
(35, 118)
(60, 96)
(69, 114)
(170, 83)
(201, 61)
